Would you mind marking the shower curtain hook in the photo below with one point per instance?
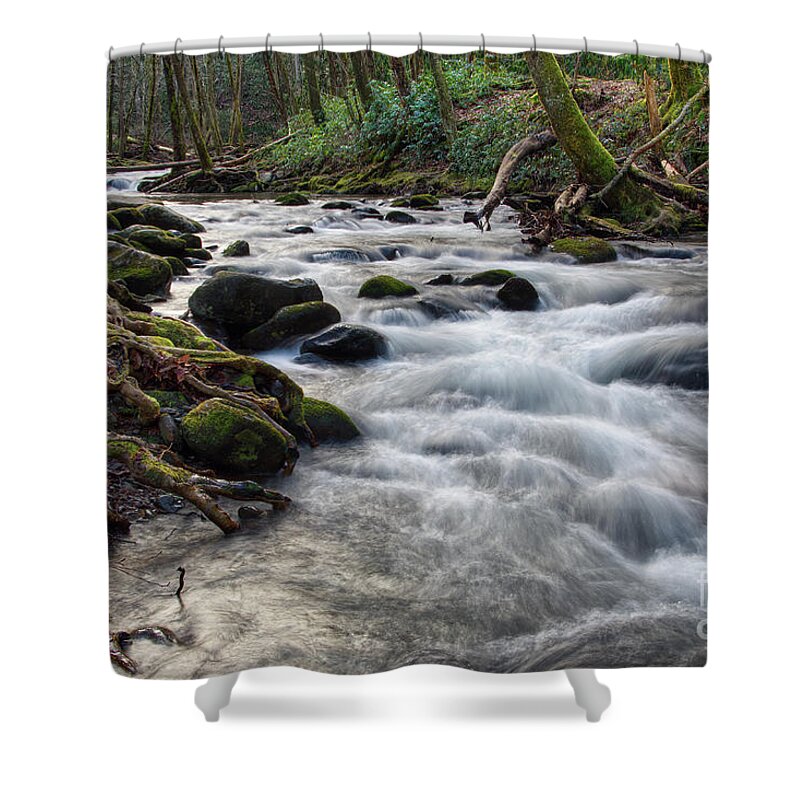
(175, 46)
(679, 51)
(110, 51)
(369, 41)
(420, 46)
(533, 36)
(637, 47)
(141, 47)
(585, 45)
(220, 48)
(321, 43)
(483, 44)
(267, 48)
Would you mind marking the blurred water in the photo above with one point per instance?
(530, 489)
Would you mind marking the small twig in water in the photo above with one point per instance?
(181, 572)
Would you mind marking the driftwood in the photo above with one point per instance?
(697, 170)
(519, 151)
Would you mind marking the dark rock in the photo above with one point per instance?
(198, 254)
(347, 343)
(424, 202)
(170, 503)
(400, 218)
(490, 277)
(153, 240)
(385, 286)
(123, 296)
(328, 422)
(366, 213)
(291, 321)
(445, 279)
(341, 205)
(298, 229)
(193, 240)
(249, 512)
(241, 301)
(236, 249)
(177, 266)
(442, 307)
(340, 254)
(478, 194)
(140, 272)
(168, 219)
(518, 294)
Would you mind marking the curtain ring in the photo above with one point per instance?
(533, 36)
(267, 48)
(141, 47)
(321, 43)
(705, 57)
(637, 47)
(419, 48)
(175, 46)
(110, 51)
(483, 44)
(220, 48)
(585, 45)
(369, 41)
(679, 51)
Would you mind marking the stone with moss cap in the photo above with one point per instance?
(140, 272)
(234, 438)
(489, 277)
(292, 321)
(328, 422)
(236, 249)
(424, 202)
(385, 286)
(292, 199)
(585, 249)
(177, 332)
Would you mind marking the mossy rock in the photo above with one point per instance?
(198, 253)
(154, 240)
(423, 202)
(518, 294)
(385, 286)
(140, 272)
(192, 240)
(490, 277)
(125, 217)
(328, 422)
(292, 199)
(161, 216)
(177, 332)
(177, 266)
(236, 249)
(234, 438)
(400, 218)
(168, 399)
(242, 302)
(400, 202)
(585, 250)
(291, 321)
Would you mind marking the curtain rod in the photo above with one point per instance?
(417, 41)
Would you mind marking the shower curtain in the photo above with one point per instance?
(407, 361)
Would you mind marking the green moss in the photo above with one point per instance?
(292, 199)
(168, 399)
(490, 277)
(423, 201)
(160, 341)
(385, 286)
(141, 273)
(177, 332)
(245, 381)
(585, 250)
(234, 438)
(328, 422)
(236, 249)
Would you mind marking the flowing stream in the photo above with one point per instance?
(530, 489)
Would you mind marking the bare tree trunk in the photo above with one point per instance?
(211, 102)
(360, 78)
(286, 86)
(446, 110)
(400, 78)
(151, 104)
(310, 71)
(175, 123)
(110, 106)
(235, 133)
(121, 132)
(275, 88)
(197, 135)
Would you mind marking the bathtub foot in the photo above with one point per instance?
(214, 695)
(591, 695)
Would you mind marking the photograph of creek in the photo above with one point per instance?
(352, 431)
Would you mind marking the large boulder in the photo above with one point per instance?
(346, 343)
(585, 249)
(490, 277)
(242, 302)
(291, 321)
(518, 294)
(445, 279)
(385, 286)
(424, 202)
(328, 422)
(338, 205)
(140, 272)
(234, 438)
(155, 240)
(168, 219)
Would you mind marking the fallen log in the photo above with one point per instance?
(516, 153)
